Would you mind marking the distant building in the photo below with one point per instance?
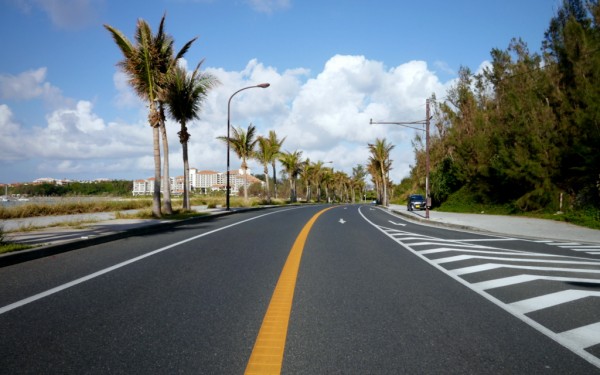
(201, 181)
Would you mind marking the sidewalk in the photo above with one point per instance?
(83, 226)
(506, 225)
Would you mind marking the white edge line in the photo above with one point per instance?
(83, 279)
(540, 328)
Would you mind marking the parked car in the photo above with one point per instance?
(416, 202)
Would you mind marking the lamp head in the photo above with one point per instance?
(263, 85)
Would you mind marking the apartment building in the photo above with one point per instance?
(203, 181)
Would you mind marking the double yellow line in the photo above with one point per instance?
(267, 355)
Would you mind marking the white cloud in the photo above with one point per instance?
(269, 6)
(10, 149)
(126, 97)
(326, 116)
(30, 85)
(65, 14)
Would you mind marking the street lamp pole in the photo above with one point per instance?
(426, 130)
(262, 86)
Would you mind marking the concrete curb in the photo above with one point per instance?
(439, 223)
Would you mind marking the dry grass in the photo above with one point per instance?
(69, 208)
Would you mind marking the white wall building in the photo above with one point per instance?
(201, 181)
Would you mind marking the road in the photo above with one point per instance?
(355, 290)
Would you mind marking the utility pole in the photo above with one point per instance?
(427, 197)
(426, 130)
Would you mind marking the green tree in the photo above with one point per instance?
(242, 142)
(266, 154)
(184, 95)
(292, 164)
(146, 63)
(276, 143)
(382, 164)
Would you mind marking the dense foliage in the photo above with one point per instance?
(112, 188)
(526, 130)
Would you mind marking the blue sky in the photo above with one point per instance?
(67, 112)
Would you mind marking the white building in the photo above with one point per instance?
(201, 181)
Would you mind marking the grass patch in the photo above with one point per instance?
(70, 208)
(7, 247)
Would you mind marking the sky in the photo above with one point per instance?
(66, 110)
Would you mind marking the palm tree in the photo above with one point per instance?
(315, 176)
(243, 142)
(184, 96)
(292, 164)
(380, 158)
(326, 180)
(373, 168)
(306, 176)
(265, 155)
(166, 61)
(276, 144)
(146, 63)
(358, 180)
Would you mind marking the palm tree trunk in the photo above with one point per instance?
(156, 194)
(186, 177)
(384, 183)
(266, 170)
(166, 180)
(274, 180)
(245, 169)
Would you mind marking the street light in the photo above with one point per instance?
(426, 130)
(262, 86)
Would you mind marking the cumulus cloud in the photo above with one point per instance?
(269, 6)
(327, 117)
(30, 85)
(324, 115)
(65, 14)
(10, 131)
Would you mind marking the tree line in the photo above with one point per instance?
(526, 130)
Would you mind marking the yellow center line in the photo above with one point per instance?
(267, 355)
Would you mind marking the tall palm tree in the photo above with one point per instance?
(373, 169)
(358, 180)
(265, 155)
(184, 96)
(292, 163)
(380, 156)
(276, 144)
(242, 142)
(306, 176)
(327, 180)
(145, 62)
(167, 62)
(315, 176)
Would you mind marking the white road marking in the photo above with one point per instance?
(70, 284)
(512, 280)
(458, 258)
(585, 336)
(575, 340)
(549, 300)
(342, 221)
(491, 266)
(397, 223)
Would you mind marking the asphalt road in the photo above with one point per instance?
(374, 295)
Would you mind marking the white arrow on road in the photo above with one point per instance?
(342, 221)
(397, 223)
